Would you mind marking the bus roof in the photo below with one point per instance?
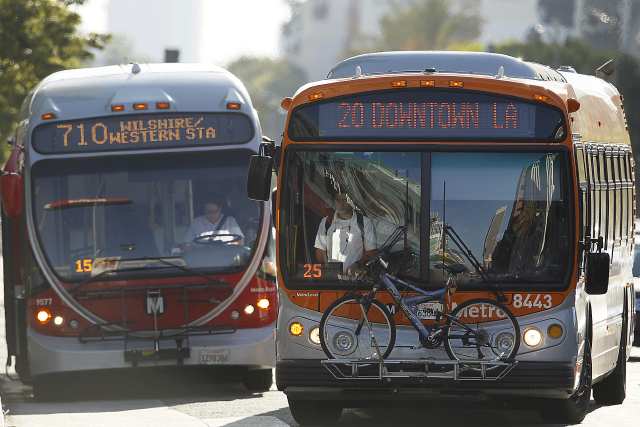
(89, 92)
(482, 63)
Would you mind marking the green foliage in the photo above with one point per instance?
(268, 81)
(427, 25)
(572, 52)
(38, 37)
(423, 25)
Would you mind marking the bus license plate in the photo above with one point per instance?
(212, 357)
(428, 310)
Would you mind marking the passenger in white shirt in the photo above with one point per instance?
(342, 240)
(214, 222)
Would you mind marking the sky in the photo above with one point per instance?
(248, 27)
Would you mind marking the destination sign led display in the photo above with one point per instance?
(132, 132)
(425, 114)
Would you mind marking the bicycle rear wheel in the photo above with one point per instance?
(482, 329)
(351, 330)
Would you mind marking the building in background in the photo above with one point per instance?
(146, 28)
(322, 32)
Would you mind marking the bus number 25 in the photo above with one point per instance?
(312, 271)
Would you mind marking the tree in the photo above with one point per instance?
(428, 25)
(38, 37)
(268, 81)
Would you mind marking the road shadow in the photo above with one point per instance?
(127, 389)
(437, 412)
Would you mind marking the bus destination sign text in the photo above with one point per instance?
(426, 114)
(142, 131)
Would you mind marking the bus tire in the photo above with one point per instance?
(575, 408)
(258, 380)
(315, 412)
(613, 389)
(44, 389)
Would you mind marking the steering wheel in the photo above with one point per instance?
(217, 238)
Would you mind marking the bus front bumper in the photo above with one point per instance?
(307, 379)
(252, 348)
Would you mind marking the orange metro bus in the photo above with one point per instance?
(533, 169)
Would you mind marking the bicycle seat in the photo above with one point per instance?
(454, 268)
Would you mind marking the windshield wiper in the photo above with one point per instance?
(111, 271)
(466, 251)
(167, 263)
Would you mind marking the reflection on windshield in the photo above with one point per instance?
(509, 209)
(344, 206)
(500, 217)
(93, 215)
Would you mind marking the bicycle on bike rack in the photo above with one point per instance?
(357, 332)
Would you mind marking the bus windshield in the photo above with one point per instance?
(509, 211)
(111, 213)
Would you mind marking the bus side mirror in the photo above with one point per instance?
(597, 274)
(259, 178)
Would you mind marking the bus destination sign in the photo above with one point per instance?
(133, 132)
(426, 114)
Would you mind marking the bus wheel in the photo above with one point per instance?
(574, 409)
(315, 412)
(44, 389)
(613, 389)
(258, 380)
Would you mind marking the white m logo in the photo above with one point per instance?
(155, 302)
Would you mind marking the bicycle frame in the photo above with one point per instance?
(425, 296)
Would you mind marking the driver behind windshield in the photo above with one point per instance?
(214, 222)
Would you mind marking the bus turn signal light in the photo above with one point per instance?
(43, 316)
(296, 329)
(263, 303)
(554, 331)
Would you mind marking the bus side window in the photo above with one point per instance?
(612, 212)
(583, 185)
(621, 213)
(595, 194)
(629, 195)
(603, 198)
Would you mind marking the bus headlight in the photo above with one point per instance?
(532, 337)
(263, 303)
(58, 320)
(249, 309)
(43, 316)
(314, 335)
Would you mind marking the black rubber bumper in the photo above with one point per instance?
(535, 379)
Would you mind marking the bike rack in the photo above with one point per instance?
(421, 369)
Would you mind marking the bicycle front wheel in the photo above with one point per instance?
(482, 329)
(351, 328)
